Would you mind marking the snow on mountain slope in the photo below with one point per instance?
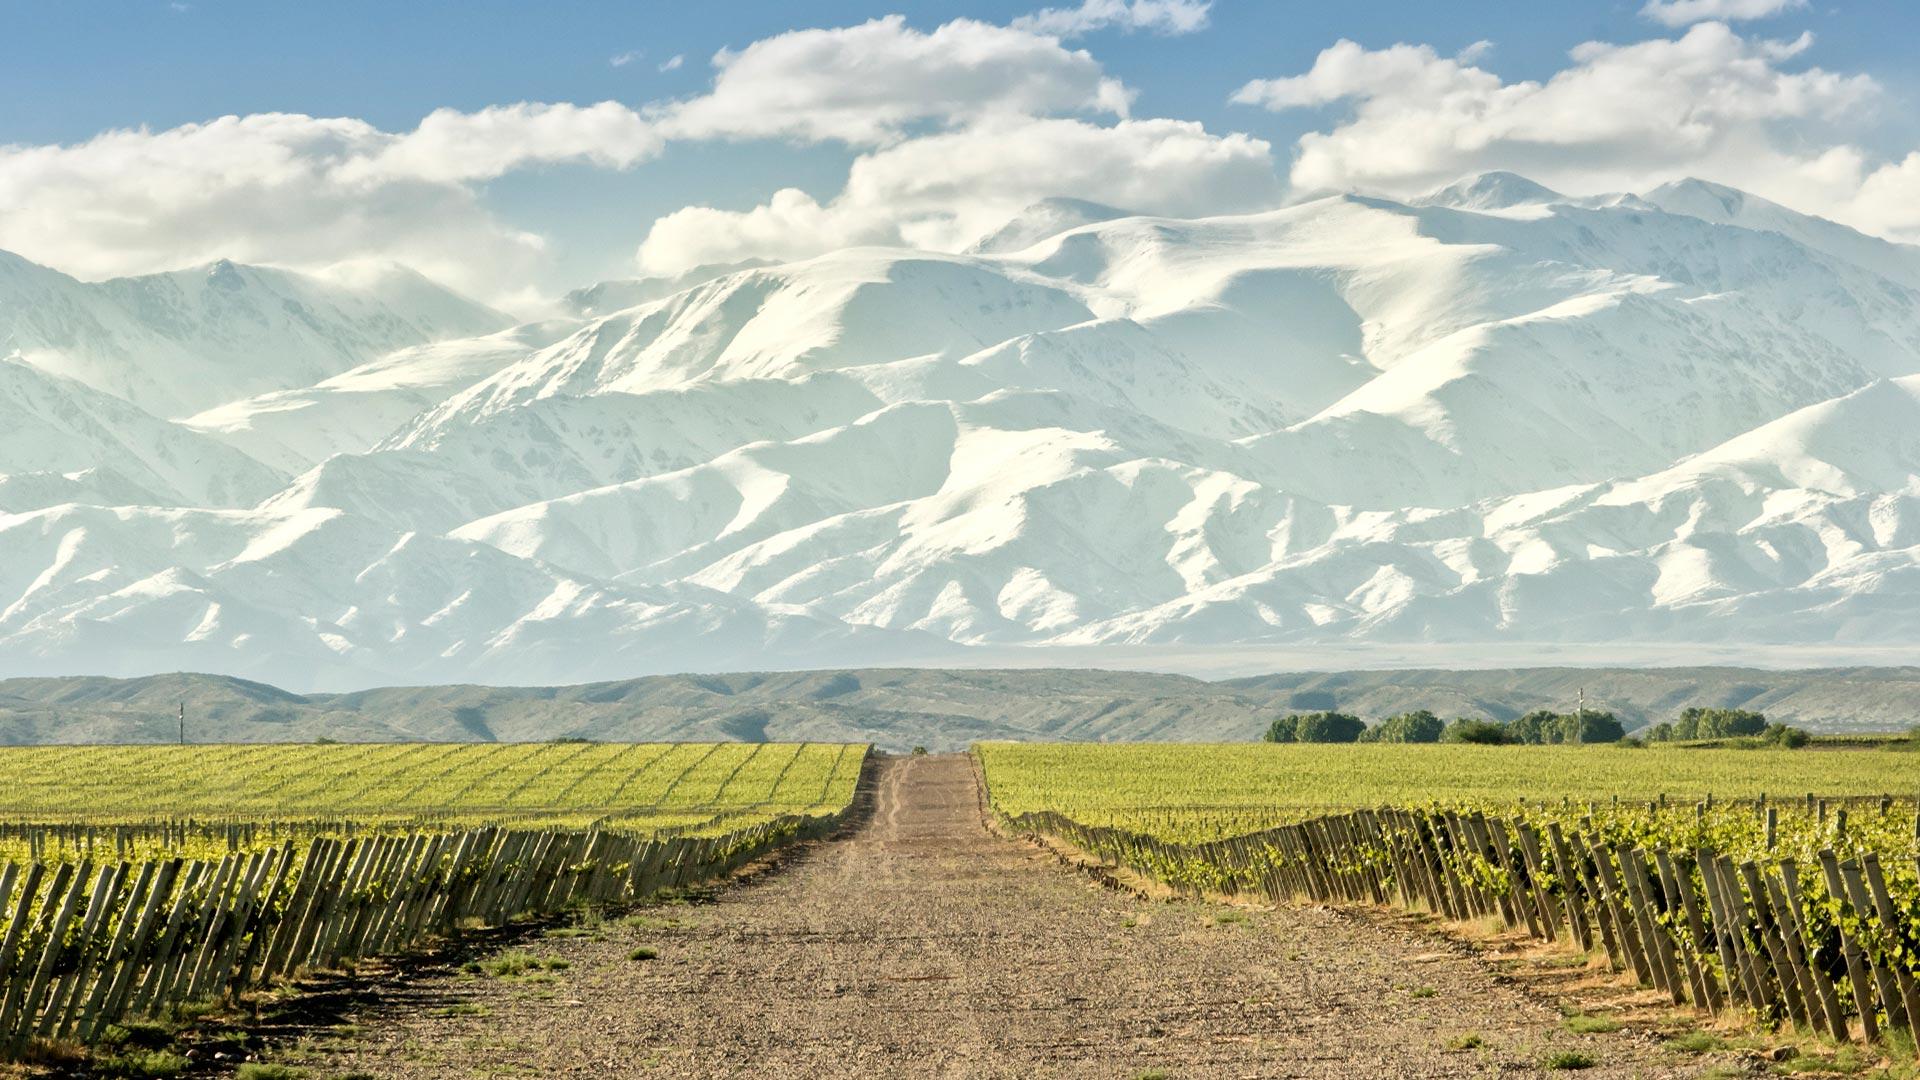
(179, 342)
(62, 442)
(296, 429)
(1492, 414)
(321, 598)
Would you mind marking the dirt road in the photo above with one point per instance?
(924, 945)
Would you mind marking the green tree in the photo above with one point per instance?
(1591, 726)
(1479, 732)
(1329, 727)
(1283, 729)
(1537, 727)
(1418, 726)
(1789, 738)
(1699, 723)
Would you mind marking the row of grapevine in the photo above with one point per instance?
(1832, 946)
(87, 945)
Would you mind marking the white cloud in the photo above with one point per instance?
(1687, 12)
(1475, 52)
(620, 60)
(300, 191)
(942, 191)
(1158, 16)
(672, 63)
(868, 84)
(1617, 117)
(451, 146)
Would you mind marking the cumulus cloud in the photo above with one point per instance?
(868, 84)
(300, 190)
(944, 190)
(1158, 16)
(672, 63)
(1687, 12)
(1616, 117)
(308, 191)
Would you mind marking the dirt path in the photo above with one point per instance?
(923, 945)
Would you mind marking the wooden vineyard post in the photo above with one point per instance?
(1694, 950)
(105, 891)
(1823, 1006)
(1659, 946)
(1617, 905)
(293, 916)
(147, 998)
(1851, 954)
(1890, 921)
(61, 905)
(81, 1001)
(11, 962)
(139, 947)
(1892, 1001)
(1768, 928)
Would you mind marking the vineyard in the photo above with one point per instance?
(141, 879)
(1193, 792)
(1695, 871)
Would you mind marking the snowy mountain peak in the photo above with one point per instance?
(1491, 191)
(1489, 416)
(177, 342)
(1046, 218)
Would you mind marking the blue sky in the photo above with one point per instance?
(69, 72)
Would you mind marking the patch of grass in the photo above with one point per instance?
(1229, 918)
(644, 953)
(142, 1034)
(260, 1070)
(517, 965)
(142, 1063)
(1695, 1042)
(1151, 1074)
(1470, 1041)
(464, 1008)
(1576, 960)
(1422, 992)
(1568, 1060)
(1582, 1024)
(1846, 1061)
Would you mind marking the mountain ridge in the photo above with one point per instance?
(898, 709)
(1494, 415)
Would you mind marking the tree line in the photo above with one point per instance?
(1541, 727)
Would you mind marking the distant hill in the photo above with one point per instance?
(898, 708)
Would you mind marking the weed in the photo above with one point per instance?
(1695, 1042)
(464, 1008)
(144, 1034)
(1470, 1041)
(1423, 991)
(1582, 1024)
(644, 953)
(256, 1070)
(142, 1063)
(1567, 1059)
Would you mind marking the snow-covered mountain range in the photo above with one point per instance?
(1495, 414)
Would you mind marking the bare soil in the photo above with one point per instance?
(921, 944)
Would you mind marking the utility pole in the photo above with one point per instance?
(183, 723)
